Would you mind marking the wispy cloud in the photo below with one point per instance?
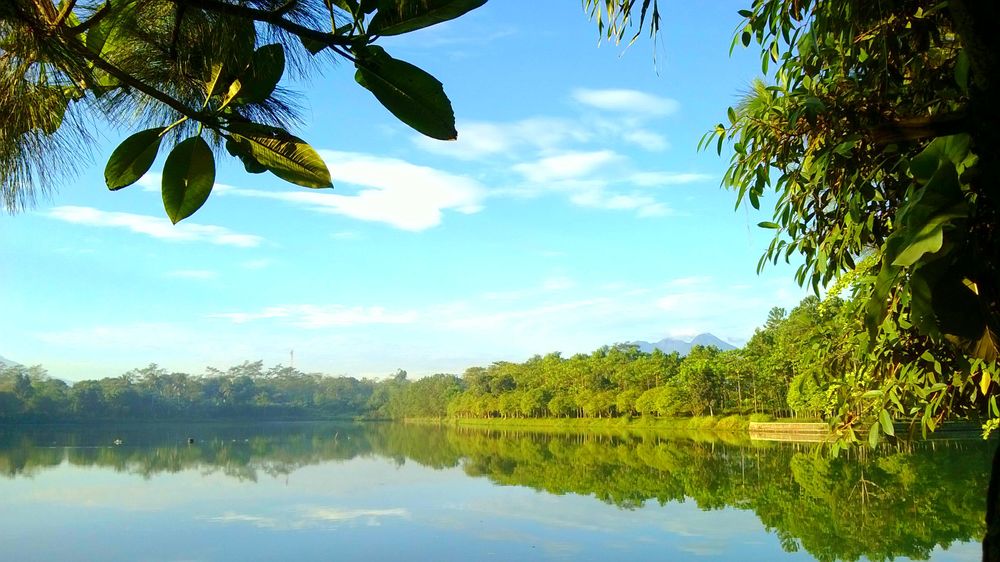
(646, 139)
(657, 179)
(478, 139)
(308, 517)
(644, 205)
(626, 101)
(570, 165)
(578, 158)
(156, 227)
(311, 316)
(152, 181)
(395, 192)
(334, 514)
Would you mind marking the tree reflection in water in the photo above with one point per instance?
(902, 500)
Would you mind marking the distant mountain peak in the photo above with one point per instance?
(681, 345)
(4, 362)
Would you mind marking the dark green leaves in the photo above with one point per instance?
(401, 16)
(286, 156)
(188, 177)
(132, 159)
(262, 75)
(412, 95)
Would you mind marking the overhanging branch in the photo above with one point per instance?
(918, 128)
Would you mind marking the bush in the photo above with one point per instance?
(731, 423)
(761, 417)
(702, 422)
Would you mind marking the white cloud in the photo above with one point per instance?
(646, 139)
(195, 274)
(644, 205)
(395, 192)
(152, 182)
(156, 227)
(570, 165)
(308, 517)
(311, 316)
(479, 139)
(334, 514)
(626, 101)
(656, 179)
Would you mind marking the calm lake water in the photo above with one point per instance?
(321, 491)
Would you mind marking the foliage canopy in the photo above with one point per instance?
(875, 129)
(206, 75)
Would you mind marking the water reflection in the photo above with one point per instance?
(904, 501)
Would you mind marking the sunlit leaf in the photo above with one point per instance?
(886, 421)
(188, 177)
(286, 156)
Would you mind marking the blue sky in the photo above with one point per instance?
(574, 211)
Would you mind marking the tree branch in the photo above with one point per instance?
(920, 128)
(286, 7)
(64, 13)
(92, 20)
(272, 17)
(133, 82)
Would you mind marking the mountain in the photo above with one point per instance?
(681, 346)
(4, 362)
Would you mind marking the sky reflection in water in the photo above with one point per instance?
(322, 492)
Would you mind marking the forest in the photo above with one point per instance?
(793, 366)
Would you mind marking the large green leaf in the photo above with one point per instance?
(262, 75)
(286, 156)
(132, 159)
(188, 177)
(926, 240)
(102, 38)
(242, 151)
(412, 95)
(401, 16)
(886, 421)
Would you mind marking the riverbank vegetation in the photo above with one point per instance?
(794, 366)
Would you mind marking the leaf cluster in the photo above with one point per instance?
(202, 74)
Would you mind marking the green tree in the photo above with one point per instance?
(875, 133)
(877, 129)
(700, 378)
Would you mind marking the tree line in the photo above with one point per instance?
(793, 366)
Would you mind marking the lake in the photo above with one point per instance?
(328, 491)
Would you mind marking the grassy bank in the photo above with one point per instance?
(711, 423)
